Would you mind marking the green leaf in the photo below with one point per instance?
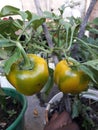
(18, 24)
(95, 21)
(93, 67)
(48, 14)
(61, 9)
(23, 15)
(9, 10)
(76, 108)
(88, 71)
(43, 94)
(66, 24)
(95, 77)
(38, 23)
(94, 30)
(8, 28)
(5, 43)
(3, 54)
(6, 52)
(49, 83)
(29, 14)
(11, 60)
(93, 64)
(2, 92)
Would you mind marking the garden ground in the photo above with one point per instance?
(35, 114)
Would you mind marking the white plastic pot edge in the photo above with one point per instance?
(5, 83)
(92, 94)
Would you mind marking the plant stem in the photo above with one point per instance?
(41, 44)
(27, 64)
(67, 103)
(42, 49)
(58, 33)
(45, 29)
(67, 31)
(50, 43)
(71, 38)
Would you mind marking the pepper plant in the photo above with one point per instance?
(15, 42)
(21, 38)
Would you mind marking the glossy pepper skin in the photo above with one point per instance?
(70, 80)
(29, 82)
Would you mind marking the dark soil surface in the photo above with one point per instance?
(9, 111)
(88, 117)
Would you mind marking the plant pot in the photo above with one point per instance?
(90, 94)
(18, 124)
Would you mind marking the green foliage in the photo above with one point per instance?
(76, 107)
(8, 10)
(95, 21)
(49, 83)
(29, 24)
(11, 31)
(81, 107)
(1, 92)
(64, 35)
(11, 60)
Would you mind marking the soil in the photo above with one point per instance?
(9, 111)
(88, 117)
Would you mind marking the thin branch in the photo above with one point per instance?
(84, 23)
(38, 7)
(50, 43)
(45, 29)
(39, 11)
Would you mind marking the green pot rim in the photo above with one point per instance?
(23, 102)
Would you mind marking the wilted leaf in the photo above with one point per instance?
(35, 113)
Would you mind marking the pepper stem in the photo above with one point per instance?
(27, 63)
